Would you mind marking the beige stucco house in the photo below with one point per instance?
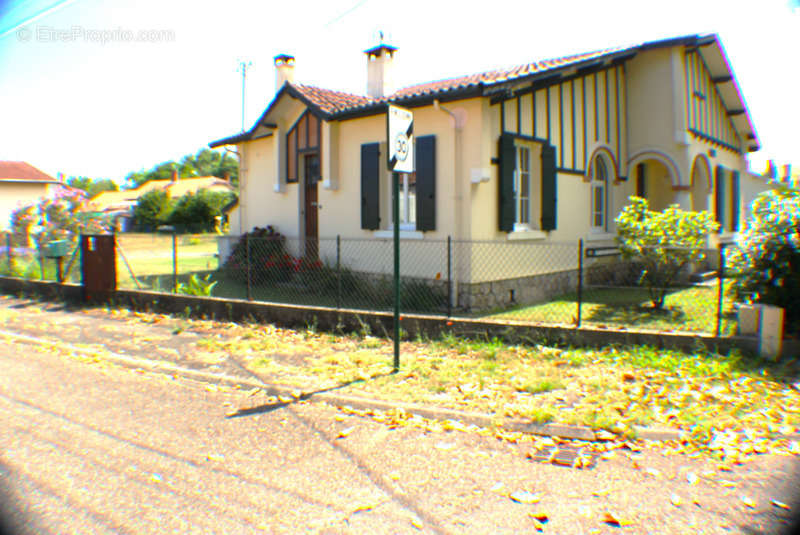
(21, 184)
(526, 158)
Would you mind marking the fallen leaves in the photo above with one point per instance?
(344, 432)
(779, 504)
(523, 496)
(615, 519)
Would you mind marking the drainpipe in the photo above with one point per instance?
(242, 184)
(459, 117)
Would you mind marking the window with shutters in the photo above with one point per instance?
(417, 190)
(526, 185)
(599, 195)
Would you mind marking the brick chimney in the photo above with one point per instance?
(380, 70)
(174, 175)
(284, 70)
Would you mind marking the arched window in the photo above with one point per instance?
(599, 200)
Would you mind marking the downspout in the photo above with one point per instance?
(242, 188)
(459, 117)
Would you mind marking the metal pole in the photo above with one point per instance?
(449, 277)
(338, 271)
(247, 263)
(59, 267)
(580, 282)
(174, 261)
(396, 225)
(720, 273)
(10, 254)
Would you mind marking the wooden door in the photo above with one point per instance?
(311, 174)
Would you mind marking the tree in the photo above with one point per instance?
(199, 212)
(664, 242)
(152, 209)
(92, 186)
(766, 265)
(205, 162)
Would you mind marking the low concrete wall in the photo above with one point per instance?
(380, 323)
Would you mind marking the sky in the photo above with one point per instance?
(101, 89)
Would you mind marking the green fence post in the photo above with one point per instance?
(449, 277)
(396, 225)
(580, 282)
(338, 272)
(720, 274)
(247, 264)
(10, 254)
(174, 261)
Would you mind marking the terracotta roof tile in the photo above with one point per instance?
(23, 171)
(333, 102)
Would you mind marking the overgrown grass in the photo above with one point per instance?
(688, 309)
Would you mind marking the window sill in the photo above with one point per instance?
(528, 235)
(600, 236)
(404, 234)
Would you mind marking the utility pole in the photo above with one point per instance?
(243, 68)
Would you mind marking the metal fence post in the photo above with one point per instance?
(720, 275)
(338, 271)
(449, 276)
(10, 254)
(247, 263)
(580, 282)
(174, 261)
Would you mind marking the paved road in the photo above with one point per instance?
(89, 447)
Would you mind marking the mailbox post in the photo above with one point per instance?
(57, 250)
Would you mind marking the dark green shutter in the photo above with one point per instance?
(549, 187)
(719, 191)
(735, 201)
(505, 193)
(426, 182)
(370, 181)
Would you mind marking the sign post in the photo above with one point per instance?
(400, 141)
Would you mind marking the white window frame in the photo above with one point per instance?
(527, 221)
(408, 204)
(600, 181)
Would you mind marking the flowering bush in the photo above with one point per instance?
(767, 262)
(60, 217)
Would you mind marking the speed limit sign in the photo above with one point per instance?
(400, 139)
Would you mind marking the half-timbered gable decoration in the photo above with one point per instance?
(573, 113)
(302, 139)
(706, 114)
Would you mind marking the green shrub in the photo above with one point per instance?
(663, 242)
(197, 286)
(766, 265)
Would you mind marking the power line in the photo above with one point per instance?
(340, 17)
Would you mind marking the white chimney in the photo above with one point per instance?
(284, 70)
(380, 75)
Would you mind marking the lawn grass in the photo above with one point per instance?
(686, 309)
(613, 388)
(150, 255)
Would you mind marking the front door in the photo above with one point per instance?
(311, 174)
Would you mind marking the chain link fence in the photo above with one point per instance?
(27, 258)
(571, 284)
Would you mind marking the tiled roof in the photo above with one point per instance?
(332, 102)
(23, 172)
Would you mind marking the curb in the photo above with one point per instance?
(574, 432)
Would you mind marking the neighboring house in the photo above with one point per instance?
(542, 153)
(118, 205)
(21, 184)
